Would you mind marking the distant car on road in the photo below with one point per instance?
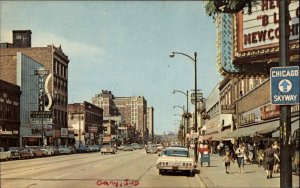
(151, 149)
(175, 159)
(108, 149)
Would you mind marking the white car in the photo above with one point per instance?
(175, 159)
(5, 155)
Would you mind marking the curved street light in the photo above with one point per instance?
(195, 78)
(187, 98)
(179, 107)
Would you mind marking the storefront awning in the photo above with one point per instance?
(205, 137)
(242, 132)
(262, 128)
(294, 126)
(221, 135)
(212, 130)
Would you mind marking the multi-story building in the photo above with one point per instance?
(9, 114)
(150, 123)
(212, 106)
(54, 60)
(133, 109)
(86, 120)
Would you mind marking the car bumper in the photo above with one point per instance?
(174, 168)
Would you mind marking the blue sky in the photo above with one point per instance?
(124, 47)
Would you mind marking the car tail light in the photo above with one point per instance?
(183, 164)
(167, 163)
(163, 163)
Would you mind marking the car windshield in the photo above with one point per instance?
(176, 153)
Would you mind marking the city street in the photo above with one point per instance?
(124, 169)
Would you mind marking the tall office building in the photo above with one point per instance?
(133, 109)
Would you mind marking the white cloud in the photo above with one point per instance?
(71, 48)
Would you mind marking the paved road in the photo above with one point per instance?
(124, 169)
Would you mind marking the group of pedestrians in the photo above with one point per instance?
(268, 156)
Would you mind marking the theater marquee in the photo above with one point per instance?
(257, 34)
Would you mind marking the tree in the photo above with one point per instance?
(227, 6)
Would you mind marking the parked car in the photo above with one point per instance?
(55, 149)
(127, 148)
(47, 150)
(175, 159)
(136, 146)
(82, 149)
(64, 150)
(37, 152)
(15, 152)
(108, 149)
(121, 147)
(151, 149)
(26, 153)
(5, 155)
(72, 149)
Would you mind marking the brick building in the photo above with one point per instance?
(86, 120)
(54, 60)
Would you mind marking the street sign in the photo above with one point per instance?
(284, 85)
(41, 72)
(39, 117)
(199, 97)
(39, 121)
(228, 109)
(41, 114)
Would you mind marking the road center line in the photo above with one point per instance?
(62, 175)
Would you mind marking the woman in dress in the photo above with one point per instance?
(270, 156)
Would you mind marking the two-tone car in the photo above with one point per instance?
(175, 159)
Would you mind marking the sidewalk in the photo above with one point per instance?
(254, 176)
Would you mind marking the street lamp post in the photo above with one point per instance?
(186, 115)
(187, 98)
(195, 78)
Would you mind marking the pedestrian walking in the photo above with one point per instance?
(260, 152)
(240, 152)
(276, 162)
(270, 156)
(227, 159)
(251, 153)
(220, 148)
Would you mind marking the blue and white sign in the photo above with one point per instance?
(285, 85)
